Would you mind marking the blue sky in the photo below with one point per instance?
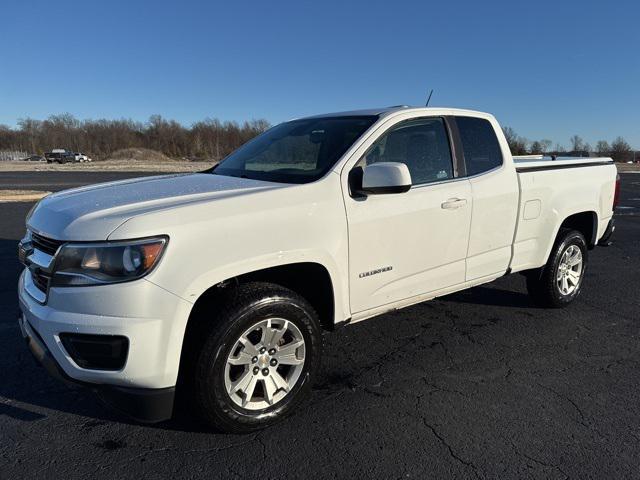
(549, 69)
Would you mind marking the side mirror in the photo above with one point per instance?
(385, 177)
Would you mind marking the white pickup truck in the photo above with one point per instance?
(219, 284)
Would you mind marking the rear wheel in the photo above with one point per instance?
(559, 282)
(258, 359)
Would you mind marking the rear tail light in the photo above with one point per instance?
(616, 195)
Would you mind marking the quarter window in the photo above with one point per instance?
(481, 148)
(422, 144)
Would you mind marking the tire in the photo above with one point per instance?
(213, 376)
(546, 286)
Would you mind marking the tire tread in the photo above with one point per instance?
(233, 305)
(541, 282)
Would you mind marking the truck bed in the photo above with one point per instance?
(525, 163)
(554, 190)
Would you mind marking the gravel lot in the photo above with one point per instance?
(478, 384)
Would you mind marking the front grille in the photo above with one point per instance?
(40, 280)
(44, 244)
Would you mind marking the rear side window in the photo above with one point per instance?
(480, 144)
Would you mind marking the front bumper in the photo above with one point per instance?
(152, 319)
(142, 404)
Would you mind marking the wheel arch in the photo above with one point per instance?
(310, 280)
(585, 222)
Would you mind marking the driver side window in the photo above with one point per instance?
(421, 144)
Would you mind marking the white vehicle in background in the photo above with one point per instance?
(81, 157)
(220, 282)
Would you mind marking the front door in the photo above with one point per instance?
(406, 244)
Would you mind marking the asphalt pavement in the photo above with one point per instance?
(54, 181)
(479, 384)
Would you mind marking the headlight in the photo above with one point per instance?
(110, 262)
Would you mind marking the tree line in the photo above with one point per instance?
(209, 139)
(618, 149)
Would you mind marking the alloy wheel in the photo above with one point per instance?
(264, 364)
(569, 271)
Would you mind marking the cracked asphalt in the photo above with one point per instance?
(479, 384)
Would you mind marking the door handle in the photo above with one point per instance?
(454, 203)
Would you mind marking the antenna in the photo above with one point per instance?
(429, 99)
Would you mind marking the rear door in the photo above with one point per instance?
(407, 244)
(494, 186)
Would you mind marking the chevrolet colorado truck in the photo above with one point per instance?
(219, 284)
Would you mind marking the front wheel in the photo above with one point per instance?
(258, 360)
(558, 283)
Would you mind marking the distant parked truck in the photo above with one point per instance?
(60, 155)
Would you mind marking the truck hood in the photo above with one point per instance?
(93, 212)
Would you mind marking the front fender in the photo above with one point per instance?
(207, 279)
(213, 241)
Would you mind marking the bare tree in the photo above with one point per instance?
(620, 150)
(517, 144)
(545, 144)
(603, 147)
(206, 140)
(577, 144)
(540, 146)
(536, 147)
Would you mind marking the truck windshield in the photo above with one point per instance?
(300, 151)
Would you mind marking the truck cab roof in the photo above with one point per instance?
(387, 111)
